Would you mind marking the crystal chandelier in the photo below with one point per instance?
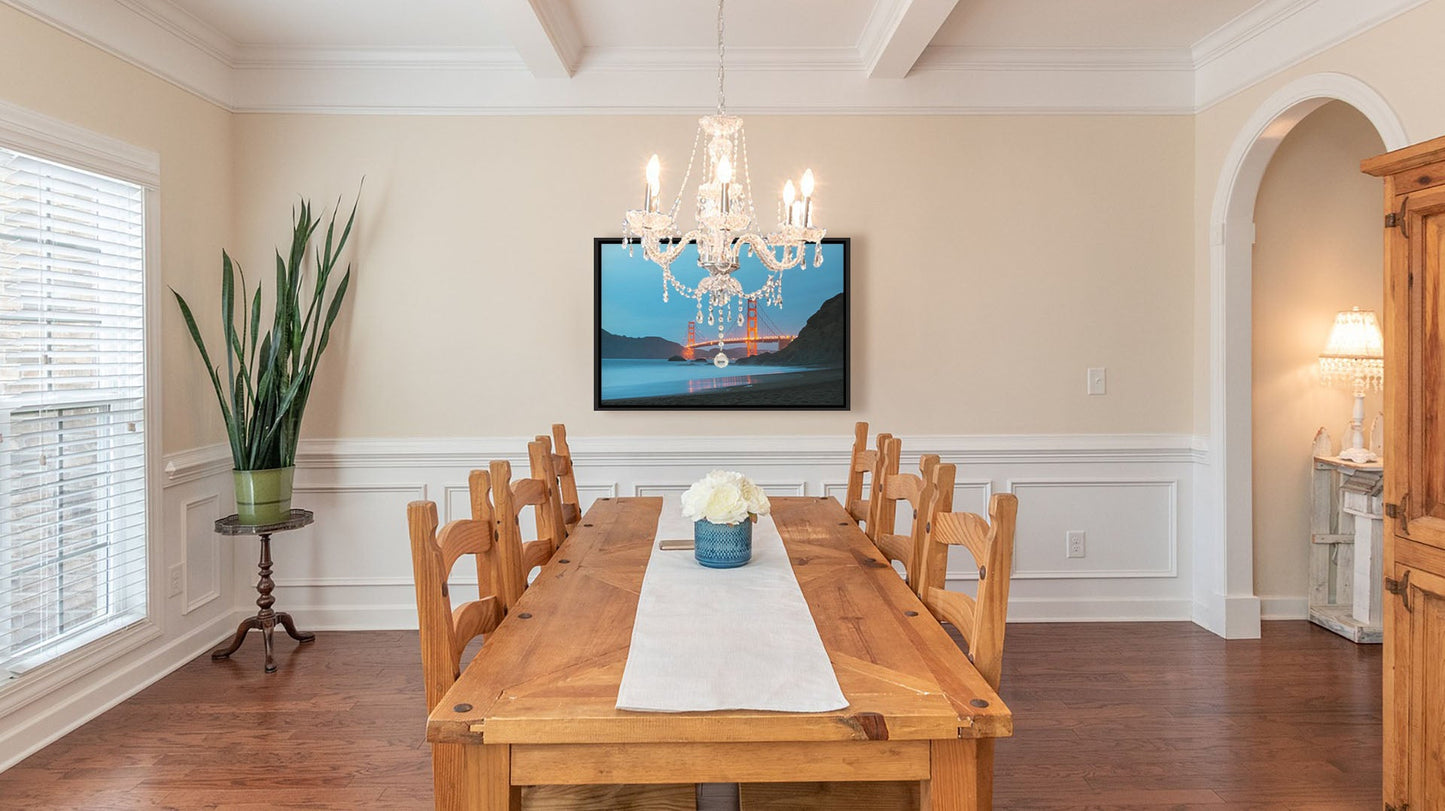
(726, 220)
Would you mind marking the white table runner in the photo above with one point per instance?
(724, 639)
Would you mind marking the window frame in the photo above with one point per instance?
(27, 131)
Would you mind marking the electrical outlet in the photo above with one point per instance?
(1098, 380)
(1074, 539)
(177, 579)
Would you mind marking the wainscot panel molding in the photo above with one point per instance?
(351, 569)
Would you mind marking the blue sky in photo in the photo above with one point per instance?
(632, 302)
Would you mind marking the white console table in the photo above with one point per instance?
(1346, 548)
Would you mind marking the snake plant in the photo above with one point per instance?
(267, 378)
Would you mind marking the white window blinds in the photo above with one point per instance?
(72, 385)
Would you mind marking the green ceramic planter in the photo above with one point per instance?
(264, 496)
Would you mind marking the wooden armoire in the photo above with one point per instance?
(1414, 566)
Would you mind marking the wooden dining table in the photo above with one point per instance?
(537, 705)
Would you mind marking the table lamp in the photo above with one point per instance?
(1355, 355)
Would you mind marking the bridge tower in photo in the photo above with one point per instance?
(752, 334)
(688, 352)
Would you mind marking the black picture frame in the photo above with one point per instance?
(777, 402)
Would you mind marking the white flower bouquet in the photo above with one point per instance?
(724, 497)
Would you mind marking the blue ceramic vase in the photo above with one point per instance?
(722, 546)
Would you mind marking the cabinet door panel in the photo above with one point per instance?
(1422, 260)
(1419, 692)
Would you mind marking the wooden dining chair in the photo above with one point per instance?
(912, 488)
(860, 464)
(446, 632)
(881, 516)
(566, 477)
(543, 464)
(516, 557)
(979, 619)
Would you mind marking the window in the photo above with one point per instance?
(73, 486)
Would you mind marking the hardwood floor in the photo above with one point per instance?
(1117, 716)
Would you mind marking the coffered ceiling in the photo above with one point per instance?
(570, 56)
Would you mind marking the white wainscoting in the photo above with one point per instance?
(1131, 494)
(50, 701)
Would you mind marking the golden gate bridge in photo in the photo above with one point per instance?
(750, 338)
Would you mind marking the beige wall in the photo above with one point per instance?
(1317, 251)
(54, 74)
(994, 260)
(1398, 59)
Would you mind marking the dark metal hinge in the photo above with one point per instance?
(1392, 220)
(1393, 807)
(1392, 510)
(1401, 589)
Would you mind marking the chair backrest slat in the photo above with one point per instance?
(956, 608)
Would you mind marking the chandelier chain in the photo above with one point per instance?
(721, 99)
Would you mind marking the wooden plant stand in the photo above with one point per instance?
(265, 619)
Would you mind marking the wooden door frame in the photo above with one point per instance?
(1224, 598)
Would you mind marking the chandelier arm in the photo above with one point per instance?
(764, 252)
(653, 250)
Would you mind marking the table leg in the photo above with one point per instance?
(474, 778)
(962, 776)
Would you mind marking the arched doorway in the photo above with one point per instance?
(1224, 596)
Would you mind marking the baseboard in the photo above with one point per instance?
(1231, 617)
(89, 702)
(1284, 608)
(402, 617)
(1127, 609)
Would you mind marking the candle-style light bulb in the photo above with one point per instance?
(807, 199)
(653, 184)
(724, 170)
(789, 195)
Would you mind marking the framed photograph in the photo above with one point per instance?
(655, 354)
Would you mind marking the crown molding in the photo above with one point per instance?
(136, 32)
(161, 37)
(1277, 35)
(944, 57)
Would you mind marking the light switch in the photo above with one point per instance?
(1098, 379)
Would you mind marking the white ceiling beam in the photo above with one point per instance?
(907, 28)
(544, 34)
